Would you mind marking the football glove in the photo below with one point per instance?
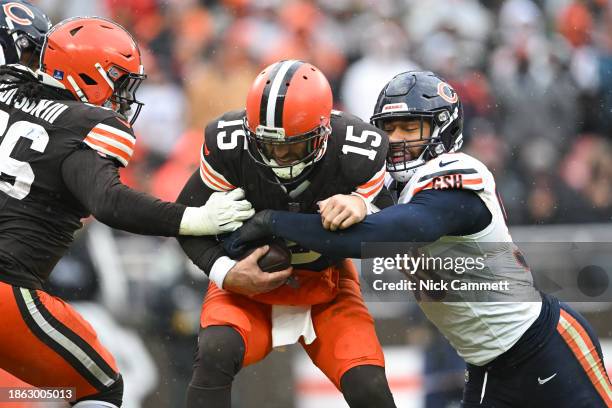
(253, 233)
(223, 212)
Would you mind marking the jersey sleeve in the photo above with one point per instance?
(218, 165)
(219, 171)
(371, 188)
(456, 171)
(95, 183)
(363, 154)
(203, 251)
(433, 215)
(112, 138)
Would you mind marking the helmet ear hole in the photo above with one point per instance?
(87, 79)
(75, 30)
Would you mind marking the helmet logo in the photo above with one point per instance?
(447, 93)
(57, 74)
(10, 15)
(113, 73)
(394, 107)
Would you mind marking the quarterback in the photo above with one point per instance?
(287, 150)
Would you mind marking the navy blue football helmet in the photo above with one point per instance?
(424, 96)
(22, 31)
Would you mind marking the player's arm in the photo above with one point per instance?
(95, 183)
(91, 175)
(207, 253)
(239, 276)
(430, 215)
(343, 210)
(362, 163)
(203, 251)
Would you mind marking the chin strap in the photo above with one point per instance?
(46, 79)
(77, 89)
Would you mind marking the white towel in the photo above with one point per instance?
(289, 323)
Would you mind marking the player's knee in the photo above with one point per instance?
(366, 386)
(111, 397)
(219, 356)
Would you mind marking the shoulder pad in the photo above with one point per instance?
(112, 137)
(451, 171)
(361, 148)
(222, 149)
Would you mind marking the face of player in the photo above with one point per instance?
(413, 134)
(286, 154)
(29, 58)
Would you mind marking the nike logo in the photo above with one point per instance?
(544, 381)
(442, 164)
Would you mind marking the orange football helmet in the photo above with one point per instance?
(290, 102)
(97, 60)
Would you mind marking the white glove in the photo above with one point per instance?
(223, 212)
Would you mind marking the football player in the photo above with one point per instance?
(22, 31)
(64, 132)
(287, 150)
(523, 349)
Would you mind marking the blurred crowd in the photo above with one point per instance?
(534, 76)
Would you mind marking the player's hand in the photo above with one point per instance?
(223, 212)
(341, 211)
(248, 279)
(256, 229)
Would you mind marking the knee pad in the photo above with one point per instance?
(366, 386)
(218, 357)
(111, 397)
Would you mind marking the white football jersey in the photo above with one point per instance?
(481, 325)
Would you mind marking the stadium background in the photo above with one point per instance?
(535, 78)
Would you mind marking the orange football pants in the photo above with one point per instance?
(46, 343)
(346, 337)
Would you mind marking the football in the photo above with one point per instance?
(276, 259)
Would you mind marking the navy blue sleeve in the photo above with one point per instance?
(430, 215)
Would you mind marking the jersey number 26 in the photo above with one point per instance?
(21, 171)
